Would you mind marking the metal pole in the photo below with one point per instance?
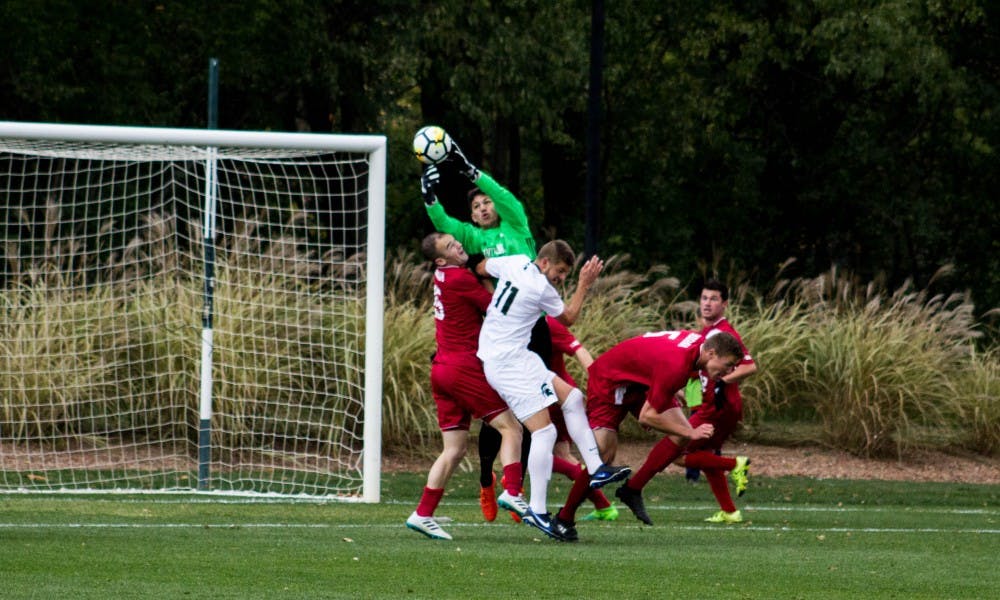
(211, 192)
(592, 223)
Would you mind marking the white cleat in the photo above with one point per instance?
(427, 526)
(514, 504)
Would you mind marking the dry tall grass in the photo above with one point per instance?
(878, 372)
(881, 371)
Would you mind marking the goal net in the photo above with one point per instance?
(190, 310)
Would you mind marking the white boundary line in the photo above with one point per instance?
(728, 529)
(655, 507)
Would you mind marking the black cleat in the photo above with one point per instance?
(633, 500)
(565, 529)
(608, 474)
(544, 523)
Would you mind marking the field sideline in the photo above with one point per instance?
(803, 538)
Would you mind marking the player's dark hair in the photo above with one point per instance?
(471, 194)
(429, 245)
(716, 286)
(724, 344)
(558, 251)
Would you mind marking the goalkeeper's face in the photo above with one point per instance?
(484, 214)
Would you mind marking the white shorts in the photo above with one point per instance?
(523, 381)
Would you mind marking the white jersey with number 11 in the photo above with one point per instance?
(522, 295)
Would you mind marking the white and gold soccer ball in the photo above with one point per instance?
(431, 144)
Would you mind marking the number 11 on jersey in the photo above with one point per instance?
(509, 292)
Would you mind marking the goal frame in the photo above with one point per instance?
(374, 146)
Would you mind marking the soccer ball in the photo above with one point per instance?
(431, 144)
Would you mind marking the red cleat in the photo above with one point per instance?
(488, 501)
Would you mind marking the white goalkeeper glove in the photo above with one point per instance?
(465, 166)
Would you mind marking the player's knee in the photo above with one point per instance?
(454, 454)
(574, 401)
(546, 435)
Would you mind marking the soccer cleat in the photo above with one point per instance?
(607, 474)
(608, 513)
(427, 526)
(633, 500)
(565, 529)
(488, 500)
(741, 474)
(515, 504)
(513, 515)
(724, 517)
(543, 523)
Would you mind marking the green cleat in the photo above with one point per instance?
(609, 513)
(724, 517)
(741, 474)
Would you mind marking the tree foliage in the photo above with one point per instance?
(860, 134)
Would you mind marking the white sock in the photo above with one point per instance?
(540, 466)
(579, 429)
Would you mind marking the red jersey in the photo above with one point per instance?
(723, 325)
(732, 394)
(564, 343)
(460, 302)
(661, 361)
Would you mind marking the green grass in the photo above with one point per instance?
(804, 539)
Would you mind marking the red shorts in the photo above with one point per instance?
(608, 405)
(461, 392)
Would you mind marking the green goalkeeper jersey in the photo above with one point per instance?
(512, 236)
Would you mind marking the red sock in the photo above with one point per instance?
(571, 470)
(565, 467)
(513, 478)
(703, 459)
(429, 501)
(660, 456)
(599, 499)
(577, 493)
(720, 487)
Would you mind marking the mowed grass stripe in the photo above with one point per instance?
(454, 525)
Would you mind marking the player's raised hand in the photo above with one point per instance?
(428, 181)
(462, 163)
(590, 270)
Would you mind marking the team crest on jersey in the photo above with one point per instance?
(547, 390)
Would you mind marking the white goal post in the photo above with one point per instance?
(191, 310)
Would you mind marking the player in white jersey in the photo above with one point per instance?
(525, 289)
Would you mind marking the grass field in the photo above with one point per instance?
(803, 538)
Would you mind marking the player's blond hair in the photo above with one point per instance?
(724, 345)
(558, 251)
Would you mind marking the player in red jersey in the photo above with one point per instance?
(641, 376)
(459, 386)
(721, 406)
(564, 343)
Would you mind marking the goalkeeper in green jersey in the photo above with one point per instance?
(500, 224)
(499, 228)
